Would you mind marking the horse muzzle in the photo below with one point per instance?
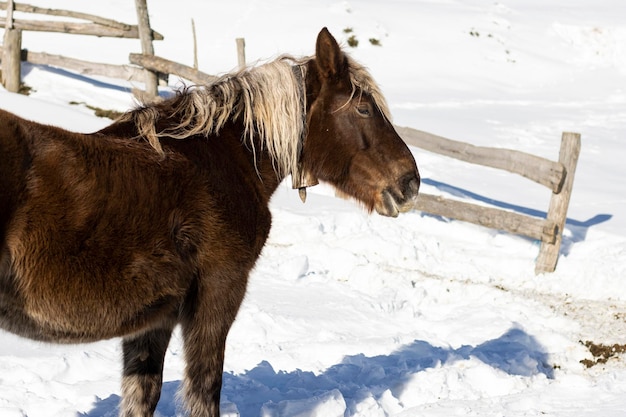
(400, 198)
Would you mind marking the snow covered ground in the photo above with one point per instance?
(356, 315)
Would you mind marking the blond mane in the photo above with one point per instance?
(269, 99)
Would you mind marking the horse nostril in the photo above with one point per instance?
(410, 184)
(414, 185)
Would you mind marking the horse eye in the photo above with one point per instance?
(364, 110)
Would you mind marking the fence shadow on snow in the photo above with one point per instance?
(576, 229)
(88, 79)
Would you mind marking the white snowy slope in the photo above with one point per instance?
(350, 314)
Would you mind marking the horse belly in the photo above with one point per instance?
(92, 295)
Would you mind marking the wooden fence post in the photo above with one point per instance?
(195, 44)
(11, 53)
(145, 34)
(241, 52)
(559, 202)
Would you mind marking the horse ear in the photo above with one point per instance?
(329, 56)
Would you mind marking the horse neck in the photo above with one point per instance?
(265, 173)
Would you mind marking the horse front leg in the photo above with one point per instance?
(143, 372)
(207, 318)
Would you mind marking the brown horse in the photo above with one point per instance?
(157, 220)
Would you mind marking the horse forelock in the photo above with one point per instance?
(361, 79)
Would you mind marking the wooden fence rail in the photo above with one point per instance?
(543, 171)
(26, 8)
(165, 66)
(122, 72)
(92, 29)
(557, 176)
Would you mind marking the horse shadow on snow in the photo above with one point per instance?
(263, 391)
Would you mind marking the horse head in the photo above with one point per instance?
(349, 140)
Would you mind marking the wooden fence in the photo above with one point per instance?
(557, 176)
(144, 66)
(12, 53)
